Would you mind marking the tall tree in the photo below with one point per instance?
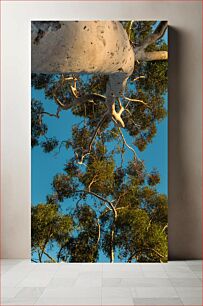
(118, 210)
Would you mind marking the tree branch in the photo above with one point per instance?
(143, 250)
(51, 115)
(165, 227)
(52, 259)
(152, 38)
(78, 100)
(140, 77)
(136, 100)
(140, 53)
(127, 145)
(93, 137)
(152, 56)
(99, 232)
(100, 198)
(129, 28)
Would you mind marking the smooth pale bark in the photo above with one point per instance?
(88, 47)
(151, 56)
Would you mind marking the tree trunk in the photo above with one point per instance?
(112, 257)
(112, 240)
(81, 47)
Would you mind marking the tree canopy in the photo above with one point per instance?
(117, 208)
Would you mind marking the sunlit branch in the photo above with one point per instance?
(128, 111)
(134, 255)
(136, 100)
(51, 258)
(127, 145)
(93, 137)
(129, 28)
(124, 207)
(154, 56)
(140, 77)
(99, 232)
(141, 54)
(165, 227)
(157, 34)
(100, 198)
(94, 180)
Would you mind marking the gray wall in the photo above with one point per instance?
(184, 113)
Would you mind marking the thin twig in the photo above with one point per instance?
(94, 136)
(136, 100)
(127, 145)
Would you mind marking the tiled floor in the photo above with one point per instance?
(174, 283)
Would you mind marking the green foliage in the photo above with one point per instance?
(49, 145)
(38, 128)
(64, 185)
(138, 238)
(48, 224)
(100, 174)
(153, 178)
(83, 246)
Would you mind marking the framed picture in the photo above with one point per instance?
(99, 141)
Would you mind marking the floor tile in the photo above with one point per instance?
(117, 301)
(115, 292)
(122, 267)
(196, 268)
(89, 282)
(73, 292)
(148, 282)
(21, 301)
(61, 282)
(192, 301)
(173, 283)
(69, 301)
(176, 268)
(181, 274)
(154, 292)
(9, 292)
(123, 274)
(198, 274)
(30, 292)
(157, 301)
(15, 275)
(155, 274)
(36, 279)
(113, 282)
(154, 267)
(185, 282)
(189, 291)
(5, 268)
(193, 262)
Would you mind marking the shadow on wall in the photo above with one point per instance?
(185, 229)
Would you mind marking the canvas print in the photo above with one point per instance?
(99, 141)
